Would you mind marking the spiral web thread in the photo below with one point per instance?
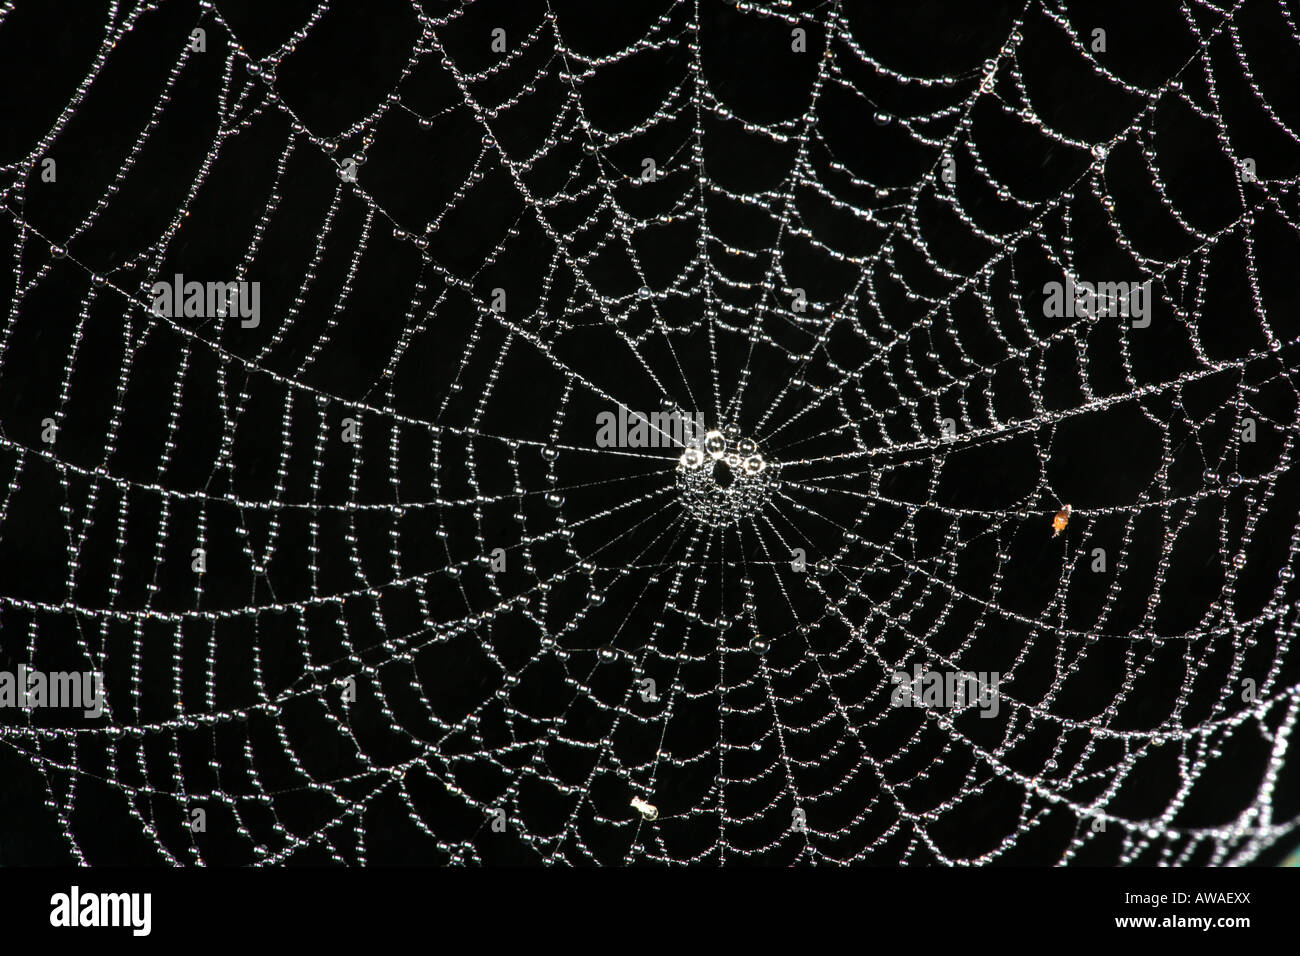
(825, 315)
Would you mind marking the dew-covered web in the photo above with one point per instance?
(435, 620)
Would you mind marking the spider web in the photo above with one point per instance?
(836, 255)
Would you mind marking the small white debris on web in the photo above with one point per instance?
(647, 810)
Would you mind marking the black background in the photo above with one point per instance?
(348, 63)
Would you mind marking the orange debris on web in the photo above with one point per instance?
(1061, 520)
